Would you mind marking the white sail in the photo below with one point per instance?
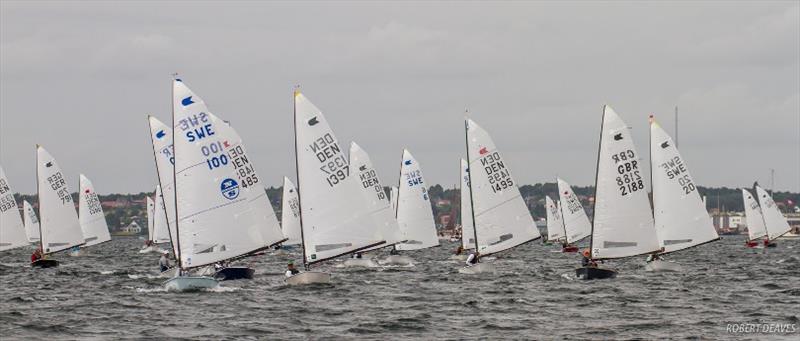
(502, 219)
(375, 196)
(576, 223)
(414, 211)
(290, 214)
(336, 219)
(12, 231)
(31, 222)
(774, 221)
(151, 212)
(681, 218)
(555, 224)
(467, 227)
(90, 214)
(250, 182)
(393, 199)
(58, 222)
(755, 220)
(623, 220)
(161, 137)
(215, 218)
(161, 233)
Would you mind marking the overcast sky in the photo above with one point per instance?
(80, 78)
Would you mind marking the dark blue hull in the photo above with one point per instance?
(594, 273)
(234, 272)
(45, 263)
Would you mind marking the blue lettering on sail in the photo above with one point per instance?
(199, 133)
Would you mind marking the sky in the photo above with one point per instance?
(80, 79)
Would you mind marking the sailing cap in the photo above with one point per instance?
(586, 253)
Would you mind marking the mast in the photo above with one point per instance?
(650, 120)
(563, 220)
(160, 184)
(175, 178)
(469, 173)
(397, 204)
(297, 174)
(596, 175)
(39, 199)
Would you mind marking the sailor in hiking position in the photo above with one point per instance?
(36, 255)
(163, 262)
(473, 258)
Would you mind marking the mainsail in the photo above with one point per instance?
(60, 229)
(555, 223)
(467, 227)
(12, 231)
(681, 219)
(774, 221)
(216, 221)
(576, 223)
(91, 216)
(375, 196)
(502, 219)
(623, 220)
(335, 219)
(151, 213)
(161, 232)
(753, 216)
(161, 138)
(31, 222)
(290, 213)
(414, 212)
(393, 198)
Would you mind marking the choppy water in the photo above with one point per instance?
(114, 293)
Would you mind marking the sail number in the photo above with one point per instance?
(241, 164)
(7, 199)
(370, 179)
(332, 160)
(496, 171)
(628, 179)
(675, 169)
(414, 178)
(211, 151)
(93, 202)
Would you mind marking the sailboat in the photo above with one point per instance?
(151, 212)
(555, 224)
(465, 209)
(59, 228)
(754, 218)
(31, 222)
(500, 217)
(576, 223)
(681, 219)
(12, 231)
(335, 220)
(157, 227)
(91, 217)
(774, 221)
(290, 214)
(414, 213)
(623, 221)
(380, 207)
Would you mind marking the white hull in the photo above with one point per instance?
(360, 263)
(789, 236)
(309, 278)
(397, 260)
(663, 266)
(150, 249)
(461, 257)
(187, 283)
(479, 268)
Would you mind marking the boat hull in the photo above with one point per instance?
(360, 263)
(479, 268)
(570, 249)
(588, 273)
(663, 266)
(234, 272)
(190, 283)
(461, 257)
(45, 263)
(397, 260)
(169, 273)
(150, 249)
(309, 277)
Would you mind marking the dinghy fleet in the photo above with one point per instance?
(210, 209)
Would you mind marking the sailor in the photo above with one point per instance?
(36, 255)
(163, 262)
(766, 241)
(459, 250)
(356, 255)
(473, 258)
(586, 261)
(291, 270)
(394, 252)
(653, 257)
